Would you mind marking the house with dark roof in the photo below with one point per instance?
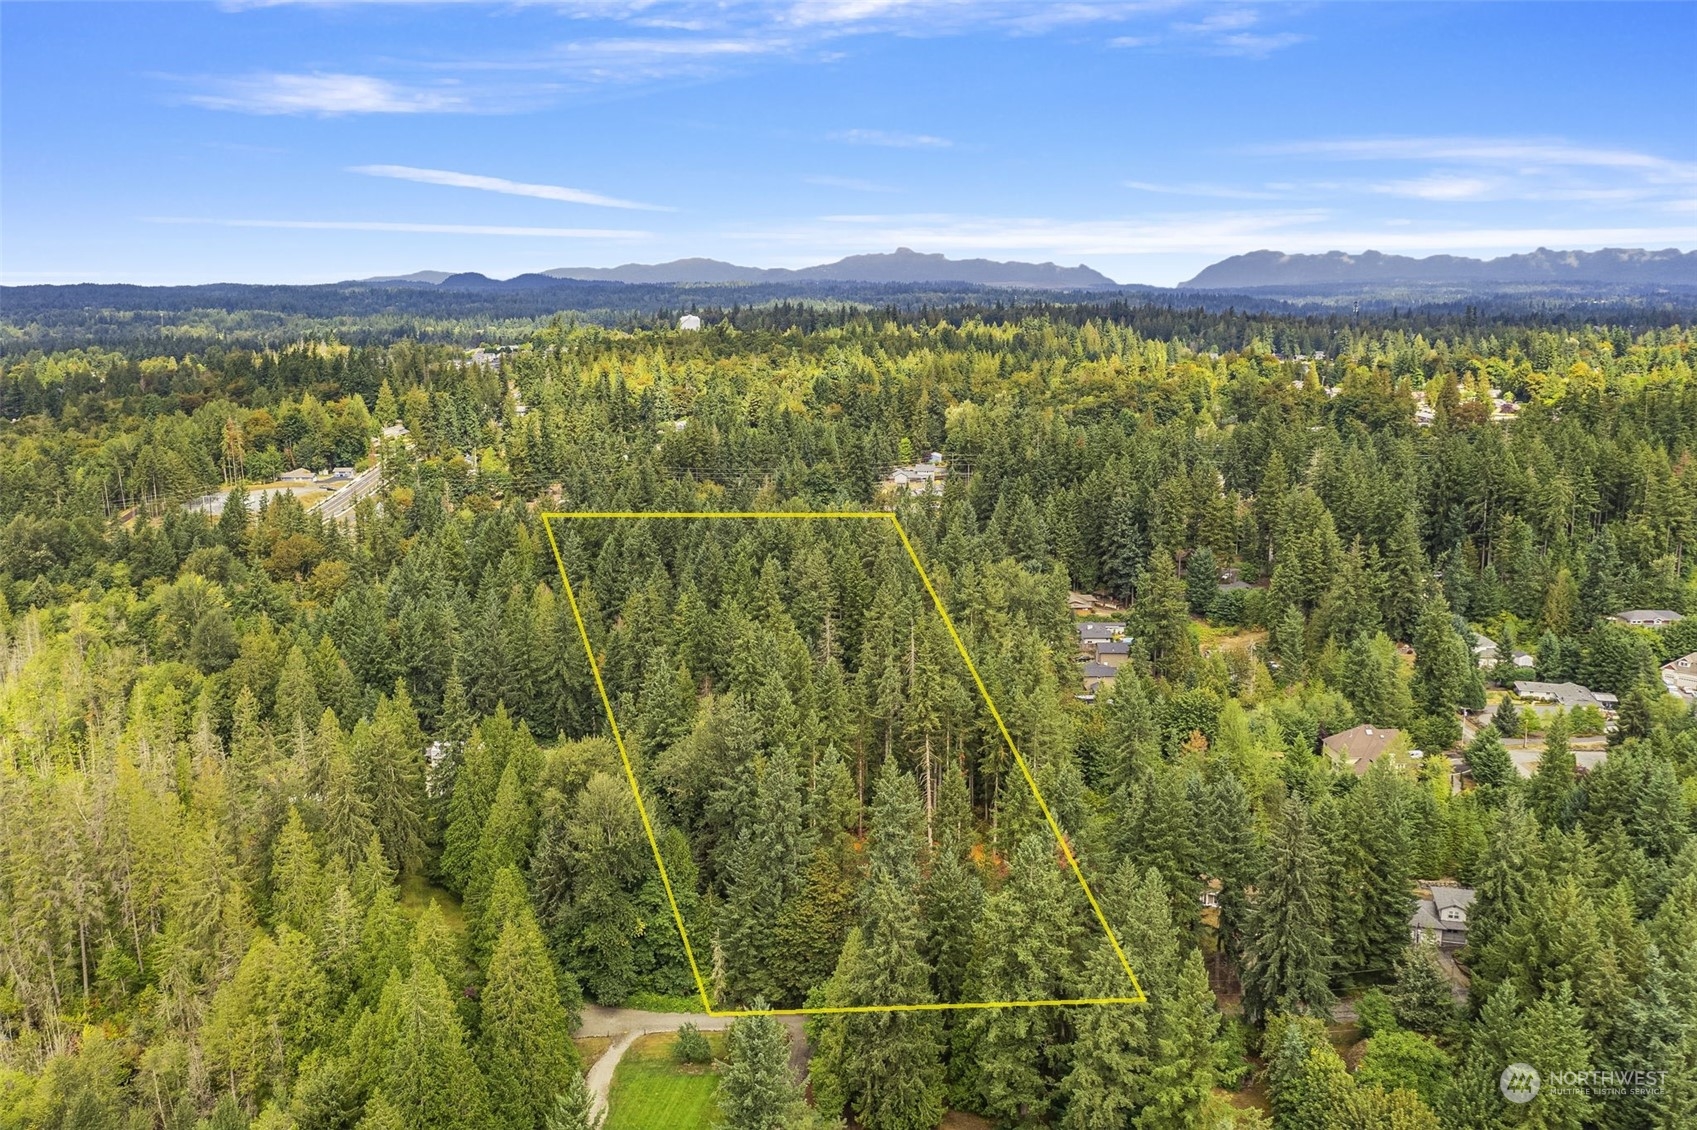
(1110, 653)
(1098, 677)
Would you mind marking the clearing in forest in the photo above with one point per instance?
(1136, 995)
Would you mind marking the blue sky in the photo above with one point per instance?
(305, 142)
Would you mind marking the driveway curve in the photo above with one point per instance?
(624, 1025)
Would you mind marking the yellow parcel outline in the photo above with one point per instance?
(548, 518)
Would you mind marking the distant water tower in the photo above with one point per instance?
(689, 322)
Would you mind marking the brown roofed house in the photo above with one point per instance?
(1359, 746)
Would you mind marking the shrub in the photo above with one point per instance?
(692, 1046)
(1375, 1013)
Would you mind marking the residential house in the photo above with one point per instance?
(1092, 631)
(1098, 677)
(1358, 747)
(1090, 604)
(1441, 916)
(689, 322)
(920, 478)
(1111, 653)
(1485, 651)
(298, 475)
(1524, 659)
(1565, 695)
(1647, 617)
(1679, 676)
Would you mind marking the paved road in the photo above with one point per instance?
(626, 1024)
(341, 504)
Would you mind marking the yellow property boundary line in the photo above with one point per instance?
(548, 518)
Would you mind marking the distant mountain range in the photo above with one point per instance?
(1331, 272)
(1612, 265)
(900, 266)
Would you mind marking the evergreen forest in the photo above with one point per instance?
(314, 820)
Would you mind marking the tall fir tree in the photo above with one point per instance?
(1182, 1075)
(756, 1090)
(1287, 963)
(1552, 785)
(1028, 938)
(528, 1056)
(429, 1076)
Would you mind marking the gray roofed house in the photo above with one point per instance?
(920, 478)
(1111, 653)
(1485, 651)
(1567, 695)
(1647, 617)
(1100, 630)
(1097, 675)
(1442, 916)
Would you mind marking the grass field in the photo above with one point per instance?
(417, 893)
(650, 1092)
(591, 1048)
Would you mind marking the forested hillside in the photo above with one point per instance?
(307, 823)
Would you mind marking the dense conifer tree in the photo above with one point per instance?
(1288, 959)
(528, 1056)
(756, 1091)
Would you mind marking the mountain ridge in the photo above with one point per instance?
(1338, 268)
(904, 265)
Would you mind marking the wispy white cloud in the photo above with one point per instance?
(688, 41)
(1257, 45)
(325, 94)
(1438, 186)
(853, 184)
(891, 139)
(1234, 30)
(1460, 170)
(1525, 154)
(628, 59)
(504, 186)
(1219, 191)
(404, 226)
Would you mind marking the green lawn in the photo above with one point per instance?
(650, 1092)
(417, 892)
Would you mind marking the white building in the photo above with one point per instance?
(689, 322)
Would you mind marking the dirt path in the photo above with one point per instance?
(624, 1025)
